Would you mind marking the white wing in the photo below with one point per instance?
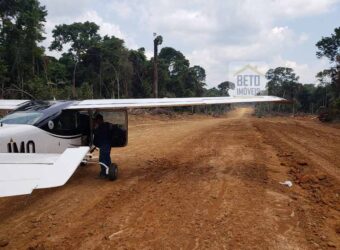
(22, 173)
(168, 102)
(11, 104)
(151, 102)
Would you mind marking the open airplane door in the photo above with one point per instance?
(119, 126)
(22, 173)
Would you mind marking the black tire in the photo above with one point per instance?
(113, 172)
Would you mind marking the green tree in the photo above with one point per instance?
(282, 82)
(107, 64)
(141, 68)
(54, 70)
(116, 66)
(80, 37)
(21, 29)
(195, 81)
(224, 88)
(329, 47)
(304, 97)
(175, 67)
(212, 92)
(3, 77)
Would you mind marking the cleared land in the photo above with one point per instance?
(195, 182)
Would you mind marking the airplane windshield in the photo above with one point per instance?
(21, 118)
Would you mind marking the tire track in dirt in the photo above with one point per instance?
(211, 210)
(323, 156)
(318, 211)
(322, 160)
(318, 128)
(250, 222)
(206, 183)
(77, 200)
(267, 229)
(151, 206)
(311, 141)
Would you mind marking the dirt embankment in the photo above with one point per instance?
(194, 182)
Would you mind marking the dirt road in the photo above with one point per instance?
(194, 182)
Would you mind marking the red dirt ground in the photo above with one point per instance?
(194, 182)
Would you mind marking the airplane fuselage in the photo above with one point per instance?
(30, 139)
(40, 127)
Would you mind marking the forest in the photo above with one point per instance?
(92, 66)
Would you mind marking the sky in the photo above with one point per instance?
(214, 34)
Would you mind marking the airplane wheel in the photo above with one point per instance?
(113, 172)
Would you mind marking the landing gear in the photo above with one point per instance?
(113, 172)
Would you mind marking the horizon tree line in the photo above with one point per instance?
(103, 67)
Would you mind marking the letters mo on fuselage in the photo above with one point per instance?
(22, 147)
(248, 84)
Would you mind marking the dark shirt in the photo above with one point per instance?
(102, 135)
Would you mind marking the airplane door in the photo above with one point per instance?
(119, 121)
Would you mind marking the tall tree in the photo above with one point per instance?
(282, 82)
(329, 47)
(108, 65)
(195, 81)
(224, 87)
(21, 29)
(141, 81)
(174, 67)
(80, 37)
(117, 69)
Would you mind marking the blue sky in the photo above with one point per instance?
(214, 34)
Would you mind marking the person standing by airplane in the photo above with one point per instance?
(102, 140)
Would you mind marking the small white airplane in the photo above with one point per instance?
(43, 142)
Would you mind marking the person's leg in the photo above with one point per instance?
(102, 160)
(108, 155)
(113, 170)
(105, 159)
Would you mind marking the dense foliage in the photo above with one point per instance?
(93, 66)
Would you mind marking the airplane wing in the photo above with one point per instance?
(22, 173)
(168, 102)
(151, 102)
(11, 104)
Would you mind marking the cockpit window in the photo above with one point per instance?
(21, 118)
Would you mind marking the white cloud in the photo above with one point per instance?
(305, 71)
(262, 47)
(66, 8)
(210, 33)
(122, 8)
(185, 21)
(106, 28)
(293, 8)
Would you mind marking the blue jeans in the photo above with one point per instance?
(105, 159)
